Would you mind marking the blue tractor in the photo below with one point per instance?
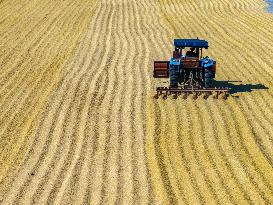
(188, 71)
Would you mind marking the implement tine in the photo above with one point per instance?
(165, 96)
(165, 91)
(156, 95)
(175, 95)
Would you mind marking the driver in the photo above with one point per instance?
(191, 53)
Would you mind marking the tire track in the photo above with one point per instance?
(168, 147)
(160, 157)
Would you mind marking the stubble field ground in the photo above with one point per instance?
(78, 122)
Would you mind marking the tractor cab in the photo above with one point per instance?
(190, 49)
(186, 51)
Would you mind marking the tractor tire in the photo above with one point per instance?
(173, 76)
(208, 82)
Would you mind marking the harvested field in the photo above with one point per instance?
(78, 124)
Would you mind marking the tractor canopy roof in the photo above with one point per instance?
(196, 43)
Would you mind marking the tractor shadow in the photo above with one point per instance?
(240, 88)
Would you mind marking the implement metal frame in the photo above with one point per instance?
(166, 91)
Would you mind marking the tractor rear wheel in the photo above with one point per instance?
(173, 76)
